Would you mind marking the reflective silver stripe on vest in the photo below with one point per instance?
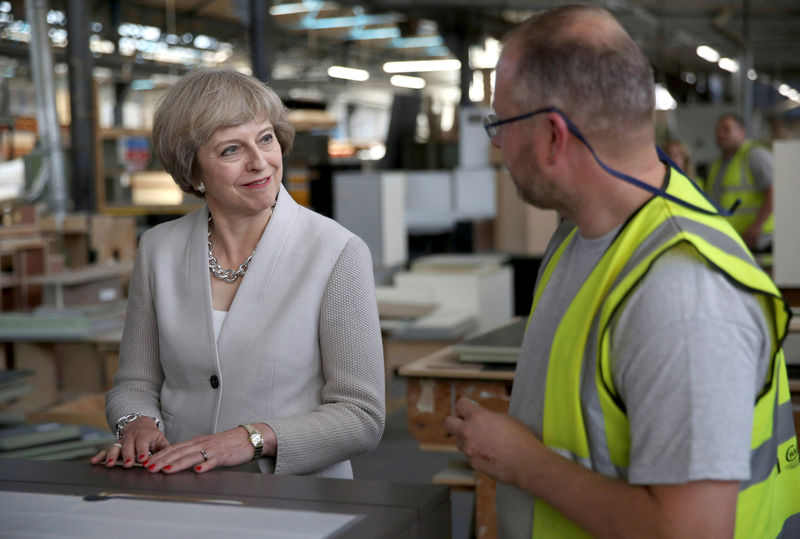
(590, 399)
(718, 186)
(764, 457)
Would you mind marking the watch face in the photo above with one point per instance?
(257, 439)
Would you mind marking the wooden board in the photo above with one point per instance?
(430, 401)
(445, 364)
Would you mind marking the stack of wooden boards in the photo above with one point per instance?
(52, 441)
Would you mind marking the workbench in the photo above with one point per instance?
(433, 384)
(74, 499)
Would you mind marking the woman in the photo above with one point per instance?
(679, 152)
(277, 359)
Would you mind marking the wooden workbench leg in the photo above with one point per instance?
(485, 509)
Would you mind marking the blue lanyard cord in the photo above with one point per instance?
(646, 186)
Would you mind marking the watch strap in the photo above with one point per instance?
(256, 439)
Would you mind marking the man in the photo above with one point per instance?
(651, 364)
(743, 171)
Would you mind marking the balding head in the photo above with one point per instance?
(581, 60)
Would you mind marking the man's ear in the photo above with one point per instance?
(558, 137)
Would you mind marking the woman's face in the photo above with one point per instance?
(676, 155)
(242, 168)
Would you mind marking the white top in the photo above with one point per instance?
(218, 319)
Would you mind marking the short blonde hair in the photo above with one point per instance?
(683, 151)
(199, 104)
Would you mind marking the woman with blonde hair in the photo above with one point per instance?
(252, 329)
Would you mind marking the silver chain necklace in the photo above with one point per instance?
(229, 276)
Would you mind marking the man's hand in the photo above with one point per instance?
(496, 444)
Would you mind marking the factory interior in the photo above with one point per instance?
(388, 100)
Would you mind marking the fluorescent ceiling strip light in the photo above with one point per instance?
(404, 81)
(729, 65)
(417, 41)
(360, 34)
(664, 99)
(348, 73)
(708, 54)
(328, 23)
(300, 7)
(419, 66)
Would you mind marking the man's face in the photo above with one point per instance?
(516, 140)
(730, 135)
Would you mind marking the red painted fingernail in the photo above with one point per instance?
(144, 463)
(109, 461)
(168, 467)
(151, 467)
(198, 468)
(127, 461)
(141, 457)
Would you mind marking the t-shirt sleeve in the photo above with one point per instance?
(690, 351)
(761, 167)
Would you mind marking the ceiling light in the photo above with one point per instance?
(751, 74)
(404, 81)
(417, 41)
(356, 21)
(729, 65)
(664, 99)
(707, 53)
(300, 7)
(348, 73)
(364, 34)
(417, 66)
(484, 56)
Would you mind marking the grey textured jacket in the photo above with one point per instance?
(300, 348)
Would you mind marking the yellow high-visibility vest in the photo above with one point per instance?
(738, 183)
(584, 419)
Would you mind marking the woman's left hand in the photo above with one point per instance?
(206, 452)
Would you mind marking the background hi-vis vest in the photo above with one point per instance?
(584, 418)
(738, 182)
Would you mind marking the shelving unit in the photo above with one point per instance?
(118, 197)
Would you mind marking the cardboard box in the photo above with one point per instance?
(520, 228)
(86, 410)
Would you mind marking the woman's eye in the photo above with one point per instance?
(267, 138)
(229, 150)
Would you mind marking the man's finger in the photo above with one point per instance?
(466, 407)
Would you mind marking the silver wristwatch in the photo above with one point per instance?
(256, 439)
(124, 420)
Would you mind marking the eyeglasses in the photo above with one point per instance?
(492, 123)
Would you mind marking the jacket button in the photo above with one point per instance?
(214, 381)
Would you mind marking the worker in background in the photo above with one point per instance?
(743, 171)
(650, 398)
(680, 154)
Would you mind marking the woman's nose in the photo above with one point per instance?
(257, 160)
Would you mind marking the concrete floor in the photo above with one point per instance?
(398, 459)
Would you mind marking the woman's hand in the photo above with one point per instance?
(203, 453)
(140, 437)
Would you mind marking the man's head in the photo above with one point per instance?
(730, 133)
(579, 59)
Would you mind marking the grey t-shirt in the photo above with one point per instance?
(690, 350)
